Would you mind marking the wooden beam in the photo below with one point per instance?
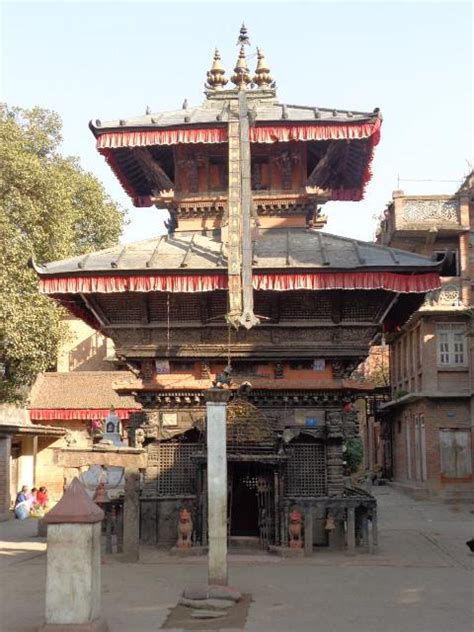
(151, 261)
(145, 311)
(152, 169)
(96, 310)
(324, 163)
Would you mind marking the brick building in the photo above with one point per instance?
(430, 416)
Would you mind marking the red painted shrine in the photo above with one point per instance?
(245, 278)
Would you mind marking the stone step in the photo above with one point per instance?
(244, 543)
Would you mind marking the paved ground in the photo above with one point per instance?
(420, 580)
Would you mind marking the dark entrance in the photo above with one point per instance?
(251, 502)
(243, 500)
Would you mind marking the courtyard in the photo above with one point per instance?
(420, 579)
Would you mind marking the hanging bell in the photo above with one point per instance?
(330, 525)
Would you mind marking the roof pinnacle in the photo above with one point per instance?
(241, 77)
(243, 38)
(216, 75)
(262, 76)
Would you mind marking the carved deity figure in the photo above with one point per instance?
(185, 529)
(294, 529)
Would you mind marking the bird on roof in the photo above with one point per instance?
(148, 110)
(185, 104)
(243, 38)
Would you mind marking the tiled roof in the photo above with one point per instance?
(216, 110)
(79, 389)
(275, 249)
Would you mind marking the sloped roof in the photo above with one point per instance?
(217, 110)
(275, 249)
(79, 390)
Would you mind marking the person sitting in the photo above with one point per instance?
(22, 506)
(42, 497)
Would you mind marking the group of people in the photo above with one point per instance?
(31, 503)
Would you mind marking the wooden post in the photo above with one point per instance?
(308, 530)
(108, 528)
(351, 529)
(131, 516)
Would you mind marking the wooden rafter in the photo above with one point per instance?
(152, 169)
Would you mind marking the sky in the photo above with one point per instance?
(109, 60)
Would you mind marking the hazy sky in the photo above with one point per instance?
(108, 60)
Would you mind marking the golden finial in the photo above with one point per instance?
(215, 76)
(241, 76)
(262, 76)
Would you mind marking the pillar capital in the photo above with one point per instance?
(216, 395)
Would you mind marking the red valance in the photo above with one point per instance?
(144, 138)
(323, 131)
(261, 281)
(67, 414)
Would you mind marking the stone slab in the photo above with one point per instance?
(284, 551)
(123, 457)
(206, 604)
(224, 592)
(98, 625)
(192, 551)
(208, 614)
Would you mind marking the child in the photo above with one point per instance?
(22, 509)
(42, 497)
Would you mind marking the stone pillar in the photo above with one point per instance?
(351, 529)
(217, 399)
(131, 516)
(73, 564)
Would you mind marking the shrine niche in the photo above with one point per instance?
(244, 281)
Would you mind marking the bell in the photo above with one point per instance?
(330, 524)
(100, 495)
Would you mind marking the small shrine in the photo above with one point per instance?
(245, 288)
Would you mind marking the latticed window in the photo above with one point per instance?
(171, 470)
(306, 470)
(451, 343)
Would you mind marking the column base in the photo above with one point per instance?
(98, 625)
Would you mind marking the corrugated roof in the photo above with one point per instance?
(291, 248)
(80, 389)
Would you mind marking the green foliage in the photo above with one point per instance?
(353, 454)
(49, 208)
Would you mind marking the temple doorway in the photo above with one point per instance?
(250, 501)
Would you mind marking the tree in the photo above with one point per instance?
(49, 208)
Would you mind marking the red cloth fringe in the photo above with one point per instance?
(67, 414)
(261, 281)
(109, 141)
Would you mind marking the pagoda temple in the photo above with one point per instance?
(245, 290)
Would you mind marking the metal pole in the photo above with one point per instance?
(216, 401)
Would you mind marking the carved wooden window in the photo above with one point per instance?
(171, 471)
(306, 470)
(218, 173)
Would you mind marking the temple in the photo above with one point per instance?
(245, 290)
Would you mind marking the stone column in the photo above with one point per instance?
(351, 530)
(73, 564)
(217, 399)
(131, 516)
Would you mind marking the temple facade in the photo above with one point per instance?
(247, 292)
